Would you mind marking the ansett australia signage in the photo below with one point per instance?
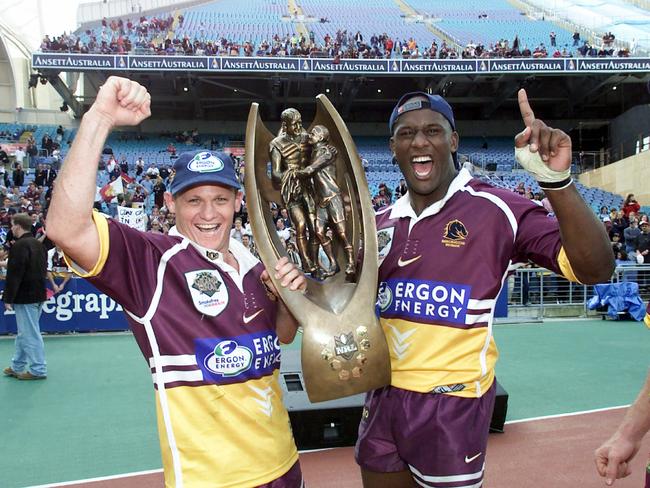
(123, 62)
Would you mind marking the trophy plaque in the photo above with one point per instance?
(316, 174)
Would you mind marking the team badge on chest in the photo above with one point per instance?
(209, 292)
(384, 242)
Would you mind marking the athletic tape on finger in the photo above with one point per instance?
(533, 163)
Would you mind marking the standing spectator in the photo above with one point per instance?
(47, 144)
(124, 165)
(19, 155)
(630, 234)
(159, 190)
(4, 158)
(49, 174)
(553, 37)
(18, 176)
(283, 232)
(643, 242)
(576, 38)
(25, 293)
(237, 232)
(139, 166)
(631, 205)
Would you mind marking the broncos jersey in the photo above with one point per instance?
(207, 333)
(440, 275)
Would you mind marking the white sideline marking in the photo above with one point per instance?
(102, 478)
(571, 414)
(141, 473)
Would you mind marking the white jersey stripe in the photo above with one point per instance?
(173, 376)
(449, 479)
(151, 336)
(475, 319)
(179, 360)
(481, 304)
(499, 203)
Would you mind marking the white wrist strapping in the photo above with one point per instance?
(545, 176)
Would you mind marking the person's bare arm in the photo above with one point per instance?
(583, 236)
(614, 456)
(120, 102)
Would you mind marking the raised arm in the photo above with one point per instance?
(546, 153)
(120, 102)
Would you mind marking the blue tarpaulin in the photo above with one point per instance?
(618, 298)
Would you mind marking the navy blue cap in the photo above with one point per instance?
(432, 102)
(203, 167)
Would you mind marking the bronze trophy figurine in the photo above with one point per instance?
(317, 175)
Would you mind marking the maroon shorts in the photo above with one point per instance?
(440, 438)
(290, 479)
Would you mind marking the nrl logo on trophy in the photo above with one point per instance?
(316, 174)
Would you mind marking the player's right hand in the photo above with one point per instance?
(613, 458)
(122, 102)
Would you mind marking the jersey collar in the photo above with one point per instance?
(245, 259)
(403, 208)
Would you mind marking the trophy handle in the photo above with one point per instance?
(344, 351)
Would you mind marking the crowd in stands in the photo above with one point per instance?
(153, 36)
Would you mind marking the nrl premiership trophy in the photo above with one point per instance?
(316, 174)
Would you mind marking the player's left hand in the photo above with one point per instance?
(553, 146)
(289, 275)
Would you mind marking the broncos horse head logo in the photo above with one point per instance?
(455, 231)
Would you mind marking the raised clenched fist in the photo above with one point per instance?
(122, 102)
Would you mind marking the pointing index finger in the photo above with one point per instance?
(524, 107)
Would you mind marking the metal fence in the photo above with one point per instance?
(539, 288)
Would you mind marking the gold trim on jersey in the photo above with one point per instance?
(646, 320)
(228, 436)
(427, 356)
(565, 266)
(102, 229)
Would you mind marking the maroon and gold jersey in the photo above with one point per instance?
(440, 275)
(207, 332)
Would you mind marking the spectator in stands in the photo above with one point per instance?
(619, 222)
(576, 38)
(282, 231)
(49, 175)
(47, 144)
(24, 293)
(57, 268)
(630, 234)
(139, 166)
(630, 205)
(198, 261)
(19, 156)
(18, 176)
(124, 165)
(445, 395)
(643, 242)
(4, 158)
(159, 190)
(237, 232)
(284, 215)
